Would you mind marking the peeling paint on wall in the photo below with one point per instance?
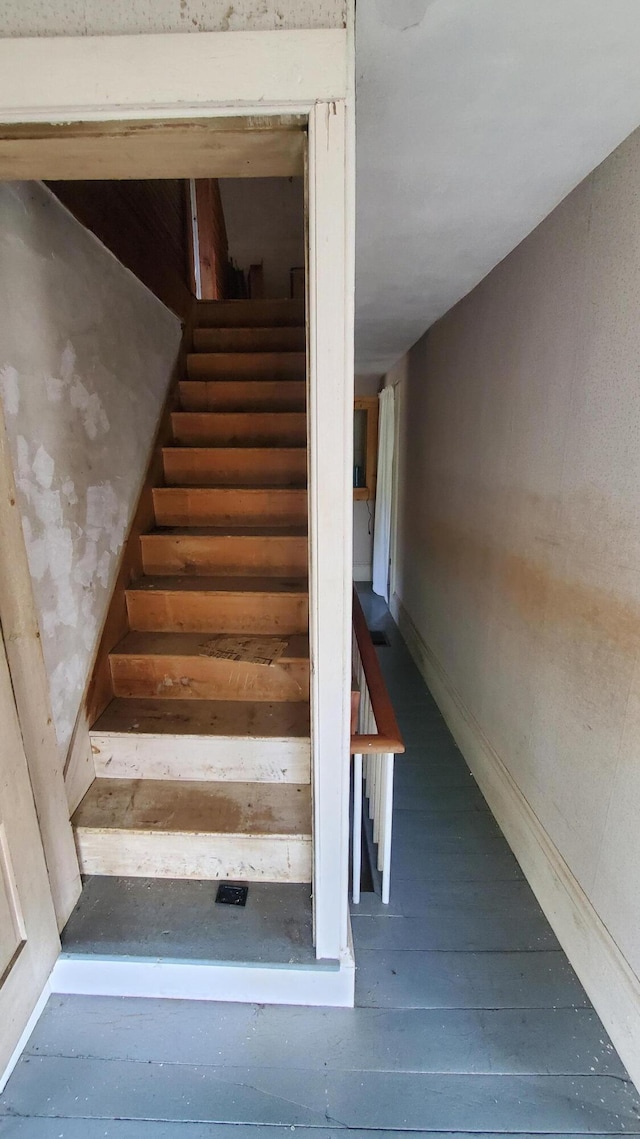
(95, 18)
(87, 354)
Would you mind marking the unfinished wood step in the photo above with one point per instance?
(249, 314)
(269, 339)
(177, 666)
(223, 740)
(246, 551)
(235, 466)
(255, 832)
(239, 428)
(219, 605)
(246, 365)
(234, 506)
(243, 395)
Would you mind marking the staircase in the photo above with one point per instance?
(202, 762)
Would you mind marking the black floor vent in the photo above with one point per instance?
(229, 895)
(379, 638)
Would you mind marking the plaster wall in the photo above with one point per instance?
(264, 218)
(131, 17)
(519, 527)
(86, 357)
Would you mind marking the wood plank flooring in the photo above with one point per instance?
(469, 1018)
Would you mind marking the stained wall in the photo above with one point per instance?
(86, 356)
(95, 18)
(519, 533)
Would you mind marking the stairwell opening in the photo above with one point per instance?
(189, 761)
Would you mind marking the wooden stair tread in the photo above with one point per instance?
(242, 395)
(262, 451)
(280, 337)
(161, 806)
(168, 644)
(273, 488)
(250, 313)
(229, 531)
(229, 719)
(218, 584)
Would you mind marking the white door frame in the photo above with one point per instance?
(205, 75)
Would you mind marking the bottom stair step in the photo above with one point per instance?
(235, 740)
(255, 832)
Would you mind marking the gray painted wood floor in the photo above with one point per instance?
(469, 1017)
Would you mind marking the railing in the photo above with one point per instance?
(373, 747)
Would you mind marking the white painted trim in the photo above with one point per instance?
(330, 425)
(28, 1029)
(362, 572)
(195, 239)
(173, 75)
(611, 984)
(321, 984)
(235, 759)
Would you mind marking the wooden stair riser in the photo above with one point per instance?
(240, 429)
(250, 556)
(159, 677)
(235, 466)
(274, 339)
(243, 395)
(206, 857)
(216, 506)
(249, 314)
(157, 611)
(214, 758)
(246, 366)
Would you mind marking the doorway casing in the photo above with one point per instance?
(198, 79)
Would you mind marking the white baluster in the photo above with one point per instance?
(357, 827)
(388, 761)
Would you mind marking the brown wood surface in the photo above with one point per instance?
(160, 604)
(240, 428)
(229, 719)
(238, 466)
(212, 239)
(388, 738)
(99, 690)
(370, 405)
(246, 365)
(257, 552)
(277, 339)
(243, 395)
(250, 314)
(216, 506)
(213, 147)
(176, 665)
(201, 808)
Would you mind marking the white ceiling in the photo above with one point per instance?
(474, 119)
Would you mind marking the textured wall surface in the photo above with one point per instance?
(265, 222)
(86, 355)
(520, 525)
(130, 17)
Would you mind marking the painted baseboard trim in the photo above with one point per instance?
(24, 1038)
(608, 979)
(331, 984)
(362, 573)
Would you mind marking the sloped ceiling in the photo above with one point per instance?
(474, 119)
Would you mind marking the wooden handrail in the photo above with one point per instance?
(388, 738)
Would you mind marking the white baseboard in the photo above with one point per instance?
(611, 984)
(362, 573)
(22, 1043)
(321, 984)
